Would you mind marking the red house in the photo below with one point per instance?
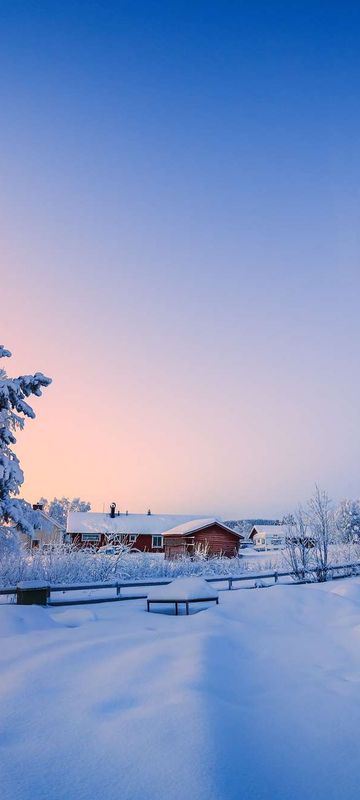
(143, 531)
(210, 534)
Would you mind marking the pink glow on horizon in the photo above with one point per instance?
(180, 252)
(147, 442)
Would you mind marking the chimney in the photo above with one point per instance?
(112, 510)
(38, 506)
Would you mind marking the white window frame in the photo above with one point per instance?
(132, 537)
(90, 537)
(157, 546)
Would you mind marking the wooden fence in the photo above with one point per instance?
(41, 593)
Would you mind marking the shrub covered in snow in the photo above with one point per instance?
(64, 564)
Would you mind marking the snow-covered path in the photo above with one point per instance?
(256, 698)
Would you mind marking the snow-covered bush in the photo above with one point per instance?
(66, 564)
(347, 519)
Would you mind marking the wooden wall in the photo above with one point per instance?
(218, 540)
(215, 538)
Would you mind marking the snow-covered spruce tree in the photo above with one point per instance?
(13, 411)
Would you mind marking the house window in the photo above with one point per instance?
(157, 541)
(132, 537)
(90, 537)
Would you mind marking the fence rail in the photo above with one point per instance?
(35, 592)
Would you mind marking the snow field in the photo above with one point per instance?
(257, 698)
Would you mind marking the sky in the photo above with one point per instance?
(179, 228)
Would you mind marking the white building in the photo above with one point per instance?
(50, 532)
(268, 537)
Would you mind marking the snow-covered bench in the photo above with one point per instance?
(185, 591)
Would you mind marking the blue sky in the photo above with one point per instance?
(179, 215)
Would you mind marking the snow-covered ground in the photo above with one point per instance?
(257, 698)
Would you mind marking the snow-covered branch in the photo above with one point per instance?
(13, 409)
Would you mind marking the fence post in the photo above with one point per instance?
(118, 589)
(276, 577)
(30, 593)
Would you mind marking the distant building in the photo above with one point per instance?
(143, 532)
(50, 531)
(268, 537)
(210, 534)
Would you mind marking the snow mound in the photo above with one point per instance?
(74, 617)
(23, 619)
(183, 589)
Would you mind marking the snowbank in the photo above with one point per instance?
(23, 619)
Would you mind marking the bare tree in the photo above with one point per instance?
(297, 551)
(321, 523)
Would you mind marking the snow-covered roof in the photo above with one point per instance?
(50, 520)
(194, 525)
(269, 530)
(93, 522)
(46, 525)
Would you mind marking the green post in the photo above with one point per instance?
(29, 593)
